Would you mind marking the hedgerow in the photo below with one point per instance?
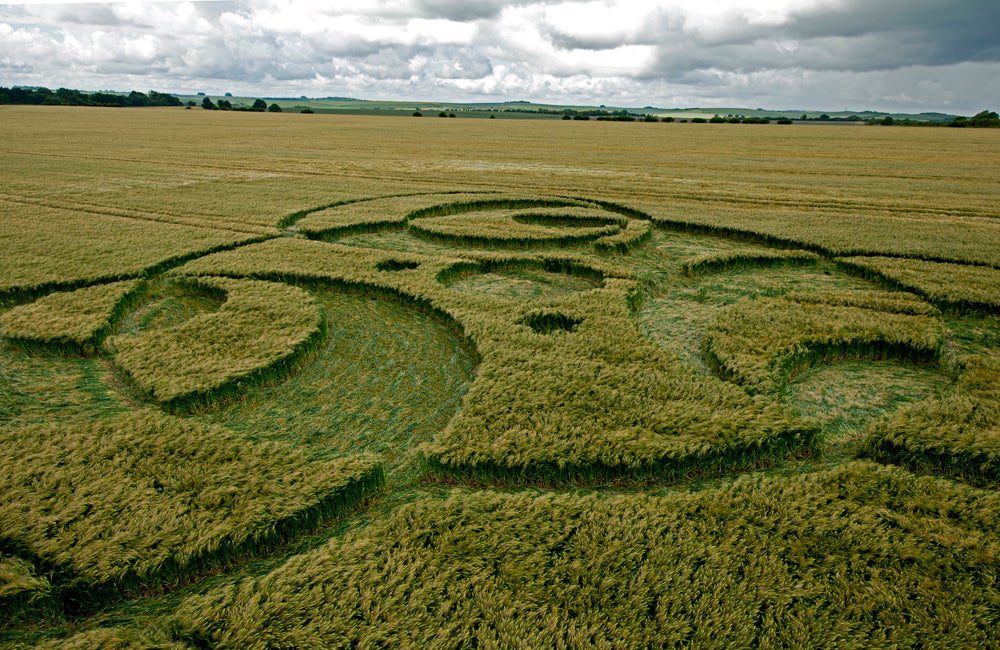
(859, 556)
(759, 343)
(74, 322)
(957, 434)
(140, 499)
(261, 331)
(955, 286)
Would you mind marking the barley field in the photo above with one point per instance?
(322, 381)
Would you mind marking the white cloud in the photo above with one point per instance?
(892, 54)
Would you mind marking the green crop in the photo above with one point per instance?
(759, 343)
(618, 381)
(534, 406)
(749, 258)
(859, 556)
(75, 321)
(955, 435)
(957, 286)
(259, 333)
(144, 498)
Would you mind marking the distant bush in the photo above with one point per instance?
(493, 117)
(259, 105)
(419, 114)
(583, 118)
(717, 120)
(667, 119)
(699, 120)
(784, 120)
(442, 114)
(225, 105)
(308, 111)
(887, 121)
(451, 115)
(650, 118)
(273, 108)
(567, 117)
(208, 105)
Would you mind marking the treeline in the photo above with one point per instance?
(981, 120)
(258, 106)
(70, 97)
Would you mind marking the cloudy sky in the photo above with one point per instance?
(894, 55)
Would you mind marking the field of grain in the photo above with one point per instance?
(311, 381)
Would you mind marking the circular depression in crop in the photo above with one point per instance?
(386, 377)
(525, 281)
(516, 223)
(844, 396)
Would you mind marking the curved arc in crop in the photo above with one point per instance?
(777, 241)
(738, 260)
(808, 354)
(19, 295)
(235, 386)
(458, 270)
(92, 344)
(289, 221)
(389, 291)
(945, 303)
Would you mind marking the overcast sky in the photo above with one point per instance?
(893, 55)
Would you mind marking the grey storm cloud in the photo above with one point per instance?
(891, 54)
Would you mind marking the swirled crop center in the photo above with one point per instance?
(387, 376)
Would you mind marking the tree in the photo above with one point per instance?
(887, 121)
(667, 119)
(493, 117)
(567, 117)
(308, 111)
(225, 105)
(208, 105)
(273, 108)
(824, 117)
(442, 114)
(419, 114)
(985, 119)
(259, 105)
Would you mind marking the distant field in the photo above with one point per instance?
(530, 110)
(330, 380)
